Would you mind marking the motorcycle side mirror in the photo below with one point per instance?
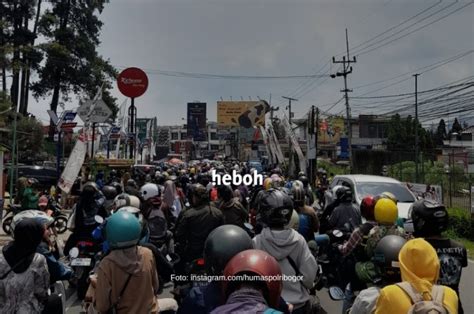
(336, 293)
(337, 233)
(187, 204)
(248, 226)
(98, 219)
(74, 252)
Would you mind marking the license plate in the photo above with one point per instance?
(81, 262)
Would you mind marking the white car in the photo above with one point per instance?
(363, 185)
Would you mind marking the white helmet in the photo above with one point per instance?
(132, 210)
(124, 199)
(39, 215)
(149, 190)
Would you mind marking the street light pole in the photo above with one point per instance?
(13, 165)
(290, 155)
(416, 128)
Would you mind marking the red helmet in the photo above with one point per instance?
(260, 263)
(367, 207)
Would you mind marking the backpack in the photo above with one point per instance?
(420, 306)
(157, 226)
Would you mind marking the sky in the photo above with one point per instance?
(281, 38)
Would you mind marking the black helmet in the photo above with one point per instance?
(386, 253)
(132, 183)
(222, 244)
(305, 180)
(201, 194)
(429, 218)
(275, 207)
(110, 192)
(344, 194)
(118, 187)
(298, 194)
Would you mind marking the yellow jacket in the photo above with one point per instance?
(419, 265)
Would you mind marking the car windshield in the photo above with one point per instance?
(375, 188)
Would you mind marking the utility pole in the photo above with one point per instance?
(416, 128)
(347, 69)
(290, 155)
(313, 129)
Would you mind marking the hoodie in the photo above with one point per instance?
(282, 244)
(419, 265)
(140, 293)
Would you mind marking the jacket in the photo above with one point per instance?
(193, 227)
(234, 212)
(282, 244)
(244, 301)
(419, 265)
(345, 213)
(140, 294)
(29, 199)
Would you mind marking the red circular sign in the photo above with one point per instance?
(132, 82)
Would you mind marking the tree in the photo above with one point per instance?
(457, 128)
(441, 133)
(72, 31)
(401, 135)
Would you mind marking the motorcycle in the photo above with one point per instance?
(192, 271)
(60, 218)
(11, 211)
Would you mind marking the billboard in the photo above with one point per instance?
(246, 114)
(197, 121)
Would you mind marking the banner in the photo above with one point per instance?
(197, 121)
(73, 165)
(121, 124)
(429, 192)
(267, 145)
(295, 144)
(274, 144)
(246, 114)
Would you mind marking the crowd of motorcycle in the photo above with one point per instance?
(226, 249)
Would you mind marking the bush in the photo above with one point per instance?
(461, 223)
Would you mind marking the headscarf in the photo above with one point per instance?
(169, 193)
(419, 265)
(27, 236)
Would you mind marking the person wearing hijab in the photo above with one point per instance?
(171, 202)
(419, 266)
(24, 277)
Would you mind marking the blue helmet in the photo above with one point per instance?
(122, 230)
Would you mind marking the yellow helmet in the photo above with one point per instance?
(267, 184)
(386, 211)
(192, 171)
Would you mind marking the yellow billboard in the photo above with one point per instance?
(246, 114)
(331, 129)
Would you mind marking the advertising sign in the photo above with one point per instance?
(100, 114)
(141, 124)
(246, 114)
(429, 192)
(132, 82)
(197, 121)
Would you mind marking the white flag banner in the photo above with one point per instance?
(267, 144)
(275, 144)
(295, 144)
(121, 124)
(73, 165)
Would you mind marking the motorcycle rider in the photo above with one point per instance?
(195, 224)
(386, 257)
(29, 197)
(127, 278)
(307, 189)
(110, 192)
(346, 214)
(234, 212)
(221, 245)
(287, 246)
(308, 220)
(430, 220)
(419, 266)
(132, 188)
(24, 277)
(246, 296)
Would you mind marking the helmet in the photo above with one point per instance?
(255, 262)
(117, 186)
(388, 195)
(122, 230)
(91, 184)
(267, 184)
(294, 222)
(134, 211)
(344, 194)
(304, 180)
(367, 207)
(113, 173)
(132, 183)
(297, 183)
(33, 182)
(39, 215)
(199, 191)
(334, 189)
(298, 194)
(126, 200)
(222, 244)
(429, 218)
(275, 207)
(109, 191)
(43, 201)
(386, 252)
(386, 211)
(149, 190)
(225, 192)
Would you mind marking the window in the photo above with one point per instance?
(214, 136)
(214, 147)
(174, 135)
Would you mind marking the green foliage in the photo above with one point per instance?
(332, 168)
(401, 135)
(461, 224)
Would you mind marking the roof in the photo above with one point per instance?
(367, 178)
